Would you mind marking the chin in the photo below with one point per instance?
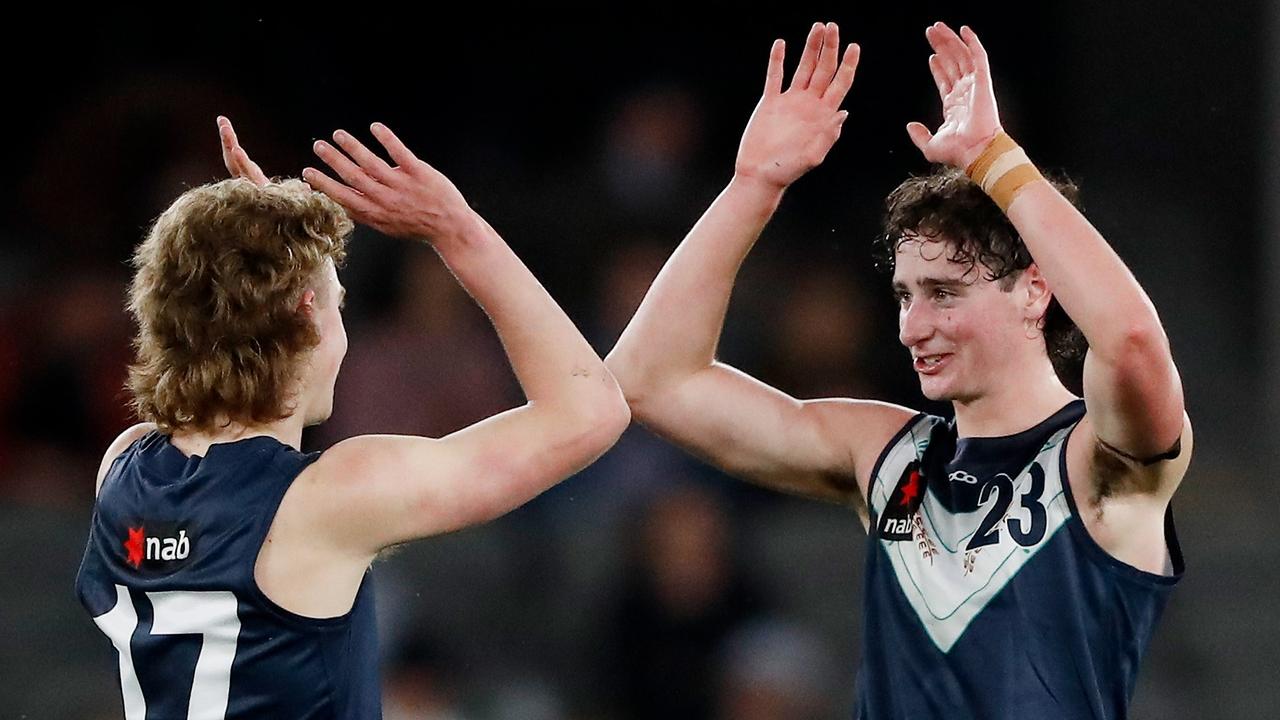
(942, 392)
(318, 417)
(936, 391)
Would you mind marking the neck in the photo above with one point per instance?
(1022, 401)
(197, 442)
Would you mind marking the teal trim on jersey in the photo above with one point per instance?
(874, 485)
(1048, 446)
(1029, 552)
(908, 430)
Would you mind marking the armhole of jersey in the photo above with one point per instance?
(137, 442)
(875, 469)
(260, 536)
(1096, 551)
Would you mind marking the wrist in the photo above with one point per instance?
(756, 184)
(466, 229)
(1002, 169)
(754, 197)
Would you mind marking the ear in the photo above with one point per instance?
(307, 303)
(1038, 293)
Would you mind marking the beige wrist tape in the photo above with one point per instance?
(1002, 170)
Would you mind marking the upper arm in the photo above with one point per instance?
(121, 443)
(818, 448)
(373, 491)
(1135, 397)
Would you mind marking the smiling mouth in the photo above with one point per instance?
(930, 364)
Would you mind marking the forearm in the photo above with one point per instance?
(1091, 282)
(552, 361)
(1130, 381)
(677, 327)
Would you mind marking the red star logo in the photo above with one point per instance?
(134, 546)
(911, 489)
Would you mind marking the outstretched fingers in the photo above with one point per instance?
(235, 158)
(368, 161)
(828, 58)
(981, 65)
(403, 157)
(809, 58)
(954, 49)
(353, 200)
(944, 53)
(351, 173)
(773, 76)
(940, 77)
(843, 80)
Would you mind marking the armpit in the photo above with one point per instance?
(1117, 472)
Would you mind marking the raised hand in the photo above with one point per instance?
(791, 131)
(234, 156)
(969, 116)
(410, 200)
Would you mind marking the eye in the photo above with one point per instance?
(943, 294)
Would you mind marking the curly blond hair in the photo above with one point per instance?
(215, 297)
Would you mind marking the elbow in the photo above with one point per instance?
(610, 419)
(1137, 347)
(647, 392)
(630, 379)
(1147, 338)
(599, 417)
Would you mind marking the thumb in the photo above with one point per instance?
(919, 134)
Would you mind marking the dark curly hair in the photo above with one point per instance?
(946, 206)
(215, 297)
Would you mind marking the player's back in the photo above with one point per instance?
(168, 575)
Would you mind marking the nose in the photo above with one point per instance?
(915, 323)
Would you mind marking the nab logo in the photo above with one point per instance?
(156, 548)
(897, 519)
(897, 526)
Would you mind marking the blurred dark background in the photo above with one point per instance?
(648, 585)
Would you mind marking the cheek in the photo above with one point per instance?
(340, 347)
(335, 339)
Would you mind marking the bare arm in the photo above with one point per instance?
(377, 491)
(1131, 386)
(665, 359)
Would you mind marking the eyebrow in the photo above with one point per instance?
(933, 283)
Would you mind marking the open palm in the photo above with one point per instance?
(969, 116)
(791, 131)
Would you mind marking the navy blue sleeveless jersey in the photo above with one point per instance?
(986, 597)
(168, 577)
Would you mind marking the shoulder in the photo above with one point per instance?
(364, 470)
(363, 454)
(118, 446)
(863, 422)
(864, 429)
